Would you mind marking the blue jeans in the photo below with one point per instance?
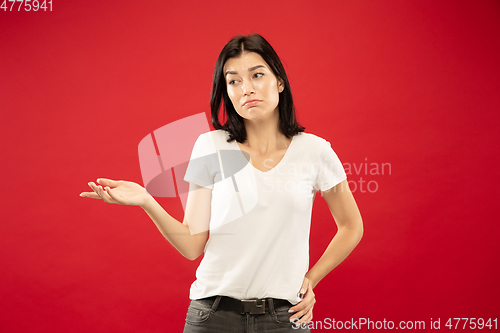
(204, 316)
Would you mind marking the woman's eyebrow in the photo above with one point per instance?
(255, 67)
(251, 69)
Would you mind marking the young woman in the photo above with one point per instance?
(252, 185)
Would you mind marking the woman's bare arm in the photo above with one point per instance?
(189, 237)
(350, 230)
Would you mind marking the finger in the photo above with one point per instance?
(105, 196)
(309, 297)
(298, 307)
(112, 195)
(304, 313)
(304, 306)
(299, 314)
(306, 318)
(91, 195)
(95, 189)
(93, 186)
(302, 310)
(108, 182)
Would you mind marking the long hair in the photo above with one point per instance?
(232, 121)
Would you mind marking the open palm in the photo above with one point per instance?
(118, 192)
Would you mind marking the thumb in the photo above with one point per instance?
(107, 182)
(303, 289)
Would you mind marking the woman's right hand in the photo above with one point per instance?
(118, 192)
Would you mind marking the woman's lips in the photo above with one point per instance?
(251, 102)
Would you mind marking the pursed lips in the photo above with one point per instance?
(252, 102)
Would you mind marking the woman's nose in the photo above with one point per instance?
(248, 87)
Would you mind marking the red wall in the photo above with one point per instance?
(412, 84)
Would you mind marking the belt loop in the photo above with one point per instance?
(216, 303)
(271, 306)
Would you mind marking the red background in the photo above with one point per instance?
(410, 83)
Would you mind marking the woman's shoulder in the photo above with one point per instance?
(312, 143)
(309, 138)
(217, 137)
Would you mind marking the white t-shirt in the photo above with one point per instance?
(260, 221)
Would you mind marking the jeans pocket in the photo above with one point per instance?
(282, 316)
(199, 312)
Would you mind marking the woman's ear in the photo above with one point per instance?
(281, 85)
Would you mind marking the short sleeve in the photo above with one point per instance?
(330, 169)
(201, 164)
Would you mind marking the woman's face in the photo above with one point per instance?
(252, 86)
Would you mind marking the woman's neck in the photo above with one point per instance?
(264, 135)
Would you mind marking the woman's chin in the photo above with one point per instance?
(255, 114)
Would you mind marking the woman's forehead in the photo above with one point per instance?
(244, 62)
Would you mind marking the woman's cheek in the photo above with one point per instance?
(234, 99)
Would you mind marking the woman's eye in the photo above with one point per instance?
(258, 75)
(232, 82)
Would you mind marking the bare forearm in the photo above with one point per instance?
(340, 247)
(175, 232)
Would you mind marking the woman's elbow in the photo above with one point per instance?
(360, 229)
(355, 229)
(192, 255)
(191, 258)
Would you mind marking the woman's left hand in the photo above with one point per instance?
(303, 309)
